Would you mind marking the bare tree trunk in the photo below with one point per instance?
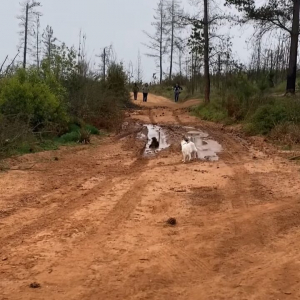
(139, 71)
(258, 59)
(104, 64)
(292, 71)
(206, 53)
(26, 34)
(172, 38)
(219, 71)
(38, 42)
(161, 44)
(180, 63)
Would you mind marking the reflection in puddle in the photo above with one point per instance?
(207, 148)
(159, 133)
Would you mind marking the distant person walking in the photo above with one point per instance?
(145, 92)
(135, 91)
(177, 91)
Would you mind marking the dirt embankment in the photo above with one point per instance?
(90, 222)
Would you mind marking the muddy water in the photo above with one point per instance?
(207, 148)
(161, 136)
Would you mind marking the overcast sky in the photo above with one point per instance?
(105, 22)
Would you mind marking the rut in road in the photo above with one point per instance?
(92, 225)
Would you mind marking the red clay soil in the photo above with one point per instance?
(90, 222)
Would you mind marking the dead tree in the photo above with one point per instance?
(139, 69)
(206, 53)
(28, 12)
(158, 42)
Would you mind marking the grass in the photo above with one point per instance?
(211, 112)
(33, 145)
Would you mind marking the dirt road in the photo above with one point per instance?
(89, 222)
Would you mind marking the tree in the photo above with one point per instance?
(199, 44)
(107, 58)
(275, 15)
(206, 53)
(37, 45)
(139, 69)
(49, 42)
(174, 25)
(28, 12)
(158, 42)
(130, 72)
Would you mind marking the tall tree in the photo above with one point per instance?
(157, 41)
(37, 44)
(175, 13)
(139, 69)
(206, 53)
(107, 57)
(130, 72)
(275, 15)
(49, 42)
(28, 13)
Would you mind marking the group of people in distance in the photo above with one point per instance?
(145, 89)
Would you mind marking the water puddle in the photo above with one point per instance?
(207, 148)
(159, 133)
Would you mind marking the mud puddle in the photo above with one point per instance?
(207, 148)
(151, 131)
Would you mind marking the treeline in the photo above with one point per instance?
(206, 65)
(53, 95)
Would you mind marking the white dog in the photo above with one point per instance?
(188, 149)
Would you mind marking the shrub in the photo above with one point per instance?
(26, 95)
(84, 136)
(211, 112)
(92, 129)
(13, 133)
(268, 116)
(287, 133)
(70, 137)
(116, 84)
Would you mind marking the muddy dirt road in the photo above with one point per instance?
(89, 222)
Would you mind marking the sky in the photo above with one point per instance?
(117, 22)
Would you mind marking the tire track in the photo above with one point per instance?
(67, 206)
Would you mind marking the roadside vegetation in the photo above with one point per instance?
(260, 94)
(57, 98)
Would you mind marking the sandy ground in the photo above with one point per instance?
(89, 222)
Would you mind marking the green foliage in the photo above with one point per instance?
(211, 112)
(268, 116)
(70, 137)
(27, 95)
(92, 129)
(60, 102)
(116, 83)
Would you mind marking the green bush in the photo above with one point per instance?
(268, 116)
(25, 94)
(70, 137)
(92, 129)
(116, 84)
